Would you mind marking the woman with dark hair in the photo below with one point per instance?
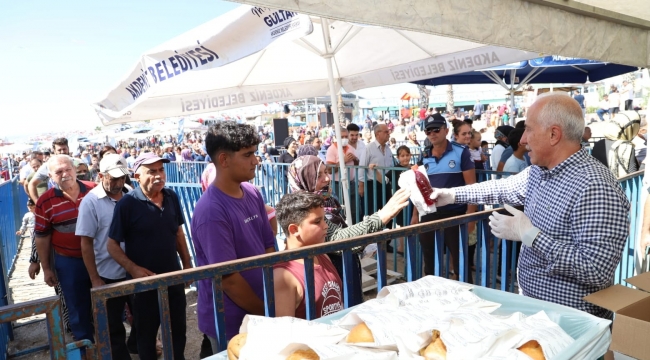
(462, 132)
(107, 149)
(308, 173)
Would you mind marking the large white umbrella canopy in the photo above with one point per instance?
(362, 57)
(335, 54)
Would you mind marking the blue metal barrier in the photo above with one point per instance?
(160, 283)
(51, 307)
(188, 172)
(487, 253)
(632, 185)
(13, 205)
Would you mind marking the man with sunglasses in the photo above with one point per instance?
(448, 165)
(93, 223)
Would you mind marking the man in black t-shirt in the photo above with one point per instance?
(148, 221)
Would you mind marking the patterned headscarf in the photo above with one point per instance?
(303, 176)
(622, 129)
(307, 150)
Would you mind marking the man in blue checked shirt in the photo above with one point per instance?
(575, 219)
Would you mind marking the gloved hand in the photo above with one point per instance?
(443, 196)
(517, 227)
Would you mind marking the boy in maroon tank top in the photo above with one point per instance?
(302, 217)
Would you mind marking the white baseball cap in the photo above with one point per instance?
(114, 165)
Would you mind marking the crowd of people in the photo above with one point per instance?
(104, 215)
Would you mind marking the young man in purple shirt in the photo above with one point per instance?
(230, 223)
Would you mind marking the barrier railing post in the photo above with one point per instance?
(309, 295)
(219, 312)
(269, 294)
(102, 334)
(463, 260)
(484, 251)
(165, 322)
(348, 281)
(381, 265)
(439, 251)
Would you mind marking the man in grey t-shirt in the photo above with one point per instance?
(93, 222)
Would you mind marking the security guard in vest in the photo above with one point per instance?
(448, 165)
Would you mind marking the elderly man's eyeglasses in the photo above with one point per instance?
(435, 130)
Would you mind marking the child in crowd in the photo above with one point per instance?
(476, 151)
(486, 151)
(302, 217)
(28, 219)
(403, 161)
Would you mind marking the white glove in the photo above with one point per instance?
(517, 227)
(443, 196)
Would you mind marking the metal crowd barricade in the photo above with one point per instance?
(13, 205)
(486, 268)
(632, 185)
(188, 172)
(51, 307)
(160, 283)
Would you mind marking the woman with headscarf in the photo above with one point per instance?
(616, 150)
(186, 155)
(308, 173)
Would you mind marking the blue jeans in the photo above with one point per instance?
(600, 113)
(75, 283)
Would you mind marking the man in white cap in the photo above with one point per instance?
(148, 221)
(168, 152)
(93, 223)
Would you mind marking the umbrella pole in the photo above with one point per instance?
(512, 94)
(343, 174)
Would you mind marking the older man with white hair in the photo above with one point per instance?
(575, 219)
(59, 249)
(148, 221)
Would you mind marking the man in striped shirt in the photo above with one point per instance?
(59, 249)
(575, 219)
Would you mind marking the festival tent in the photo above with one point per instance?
(334, 54)
(604, 30)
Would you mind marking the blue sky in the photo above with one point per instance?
(60, 56)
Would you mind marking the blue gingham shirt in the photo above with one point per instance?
(582, 214)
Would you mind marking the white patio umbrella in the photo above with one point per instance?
(335, 54)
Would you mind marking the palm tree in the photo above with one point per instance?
(341, 112)
(450, 99)
(424, 96)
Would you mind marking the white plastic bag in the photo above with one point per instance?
(407, 181)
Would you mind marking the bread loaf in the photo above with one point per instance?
(304, 355)
(436, 350)
(532, 349)
(360, 334)
(235, 345)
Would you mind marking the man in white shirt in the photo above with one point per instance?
(501, 135)
(603, 107)
(516, 161)
(353, 140)
(374, 184)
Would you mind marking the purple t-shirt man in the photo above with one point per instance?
(223, 229)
